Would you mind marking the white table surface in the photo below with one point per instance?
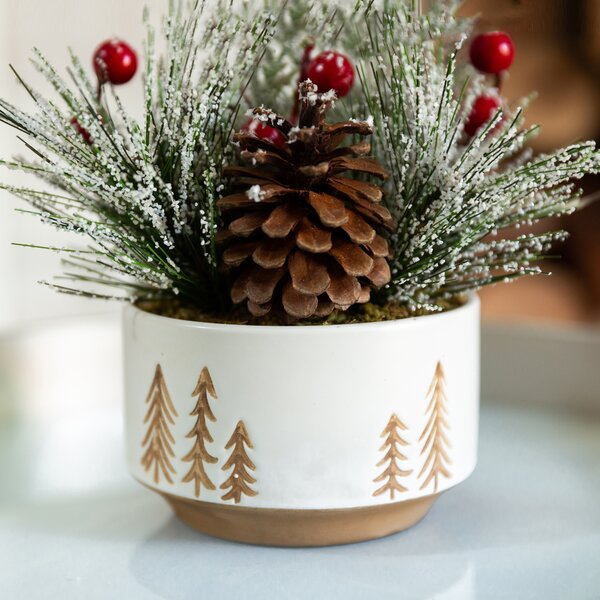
(74, 525)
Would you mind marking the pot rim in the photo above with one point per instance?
(472, 304)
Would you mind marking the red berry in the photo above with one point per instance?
(484, 109)
(82, 131)
(332, 71)
(265, 132)
(115, 61)
(492, 52)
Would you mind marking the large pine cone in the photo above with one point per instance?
(303, 236)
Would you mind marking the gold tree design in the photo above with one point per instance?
(239, 481)
(392, 456)
(198, 455)
(435, 432)
(158, 438)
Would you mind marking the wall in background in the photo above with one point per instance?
(52, 27)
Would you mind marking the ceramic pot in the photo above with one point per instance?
(306, 435)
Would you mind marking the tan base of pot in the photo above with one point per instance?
(295, 528)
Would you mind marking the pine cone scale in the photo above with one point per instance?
(344, 290)
(283, 220)
(311, 238)
(331, 211)
(358, 230)
(314, 171)
(356, 189)
(274, 120)
(365, 295)
(248, 173)
(375, 212)
(269, 193)
(298, 305)
(248, 224)
(261, 284)
(239, 289)
(360, 149)
(379, 247)
(273, 253)
(237, 254)
(258, 310)
(380, 273)
(360, 165)
(309, 276)
(352, 259)
(245, 138)
(260, 157)
(324, 308)
(348, 128)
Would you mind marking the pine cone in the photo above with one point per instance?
(303, 237)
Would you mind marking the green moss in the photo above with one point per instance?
(361, 313)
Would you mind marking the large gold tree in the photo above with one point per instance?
(158, 437)
(198, 455)
(435, 436)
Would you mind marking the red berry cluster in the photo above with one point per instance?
(328, 71)
(491, 53)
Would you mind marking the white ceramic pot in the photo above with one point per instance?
(306, 435)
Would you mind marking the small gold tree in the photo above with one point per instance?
(392, 471)
(240, 480)
(435, 433)
(198, 455)
(158, 438)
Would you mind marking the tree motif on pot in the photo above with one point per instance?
(393, 455)
(198, 455)
(158, 437)
(435, 435)
(240, 479)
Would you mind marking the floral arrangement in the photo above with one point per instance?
(307, 162)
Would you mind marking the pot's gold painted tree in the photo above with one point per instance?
(158, 437)
(434, 435)
(239, 481)
(391, 445)
(199, 455)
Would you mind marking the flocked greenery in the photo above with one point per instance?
(144, 193)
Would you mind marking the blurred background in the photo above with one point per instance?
(558, 56)
(52, 27)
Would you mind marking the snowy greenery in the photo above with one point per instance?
(144, 193)
(453, 195)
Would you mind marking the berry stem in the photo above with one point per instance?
(499, 80)
(304, 64)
